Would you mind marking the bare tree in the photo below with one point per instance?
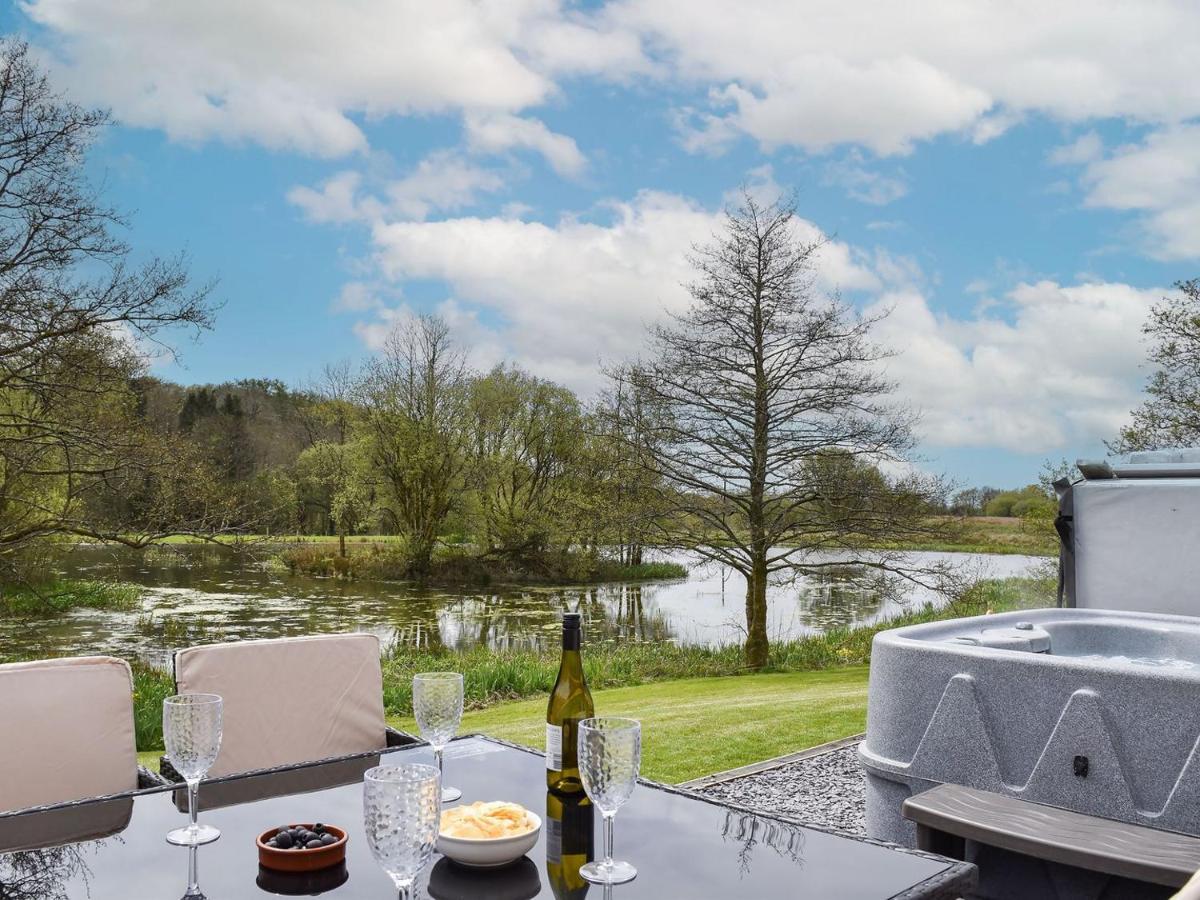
(414, 397)
(75, 319)
(770, 417)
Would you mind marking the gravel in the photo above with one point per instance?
(828, 790)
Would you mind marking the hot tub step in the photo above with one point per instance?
(949, 814)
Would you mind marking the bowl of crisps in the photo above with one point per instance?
(487, 834)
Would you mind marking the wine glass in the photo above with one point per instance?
(192, 733)
(438, 707)
(401, 813)
(610, 752)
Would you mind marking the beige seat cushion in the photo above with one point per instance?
(1190, 891)
(290, 700)
(68, 730)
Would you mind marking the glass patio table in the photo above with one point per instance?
(683, 846)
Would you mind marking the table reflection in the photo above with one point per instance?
(302, 884)
(749, 830)
(192, 891)
(570, 843)
(450, 881)
(44, 852)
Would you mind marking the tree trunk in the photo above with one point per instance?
(341, 543)
(756, 616)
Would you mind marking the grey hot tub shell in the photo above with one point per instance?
(1090, 710)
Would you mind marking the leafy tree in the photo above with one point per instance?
(525, 439)
(752, 389)
(414, 399)
(1170, 417)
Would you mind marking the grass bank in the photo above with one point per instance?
(389, 562)
(985, 534)
(57, 597)
(698, 726)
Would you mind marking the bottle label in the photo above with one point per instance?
(554, 735)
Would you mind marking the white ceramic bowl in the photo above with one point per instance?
(490, 852)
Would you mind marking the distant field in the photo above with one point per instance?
(975, 534)
(284, 539)
(988, 534)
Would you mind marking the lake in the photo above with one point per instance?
(200, 594)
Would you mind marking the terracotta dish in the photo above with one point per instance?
(301, 860)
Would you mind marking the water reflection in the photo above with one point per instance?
(201, 594)
(749, 830)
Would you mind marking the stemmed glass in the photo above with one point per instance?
(438, 707)
(192, 733)
(401, 812)
(610, 752)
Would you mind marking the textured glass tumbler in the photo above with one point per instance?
(402, 809)
(438, 708)
(192, 734)
(610, 753)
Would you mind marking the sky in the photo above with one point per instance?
(1016, 183)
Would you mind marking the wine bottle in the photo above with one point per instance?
(569, 843)
(570, 702)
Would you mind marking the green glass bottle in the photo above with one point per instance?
(569, 843)
(570, 702)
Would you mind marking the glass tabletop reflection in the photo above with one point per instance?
(682, 846)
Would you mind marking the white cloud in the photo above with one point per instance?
(1051, 368)
(1158, 178)
(335, 201)
(862, 183)
(560, 297)
(885, 75)
(1084, 149)
(1045, 367)
(442, 181)
(298, 75)
(497, 132)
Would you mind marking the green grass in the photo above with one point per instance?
(698, 726)
(62, 596)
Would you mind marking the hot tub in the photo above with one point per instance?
(1090, 710)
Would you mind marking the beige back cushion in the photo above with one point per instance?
(1190, 891)
(290, 700)
(68, 730)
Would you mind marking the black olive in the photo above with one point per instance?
(313, 844)
(327, 839)
(283, 840)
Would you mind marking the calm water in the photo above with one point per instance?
(201, 594)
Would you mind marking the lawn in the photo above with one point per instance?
(703, 725)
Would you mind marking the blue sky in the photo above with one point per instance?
(1017, 189)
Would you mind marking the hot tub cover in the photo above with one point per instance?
(1130, 534)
